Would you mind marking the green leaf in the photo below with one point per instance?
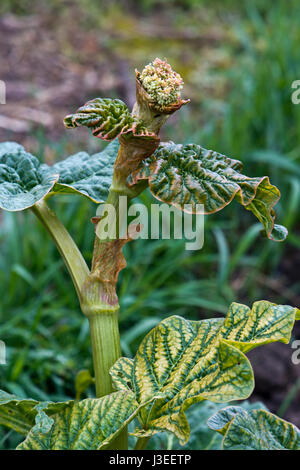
(43, 422)
(90, 424)
(221, 419)
(10, 147)
(184, 362)
(89, 175)
(108, 118)
(23, 179)
(21, 414)
(202, 437)
(184, 175)
(254, 430)
(82, 382)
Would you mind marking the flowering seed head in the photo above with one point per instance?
(161, 82)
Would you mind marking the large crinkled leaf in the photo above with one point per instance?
(184, 362)
(108, 118)
(254, 430)
(89, 175)
(10, 147)
(191, 175)
(23, 179)
(86, 425)
(23, 414)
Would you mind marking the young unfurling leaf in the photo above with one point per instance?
(108, 119)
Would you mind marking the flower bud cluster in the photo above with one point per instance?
(161, 82)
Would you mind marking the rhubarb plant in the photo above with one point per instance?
(180, 362)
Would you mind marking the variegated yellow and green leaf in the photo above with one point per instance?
(108, 119)
(23, 414)
(264, 323)
(183, 362)
(121, 373)
(90, 424)
(23, 179)
(254, 430)
(188, 176)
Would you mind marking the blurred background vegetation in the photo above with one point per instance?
(238, 61)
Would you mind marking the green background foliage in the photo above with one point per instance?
(241, 106)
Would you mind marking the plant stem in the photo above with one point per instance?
(68, 249)
(105, 338)
(141, 443)
(101, 306)
(106, 348)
